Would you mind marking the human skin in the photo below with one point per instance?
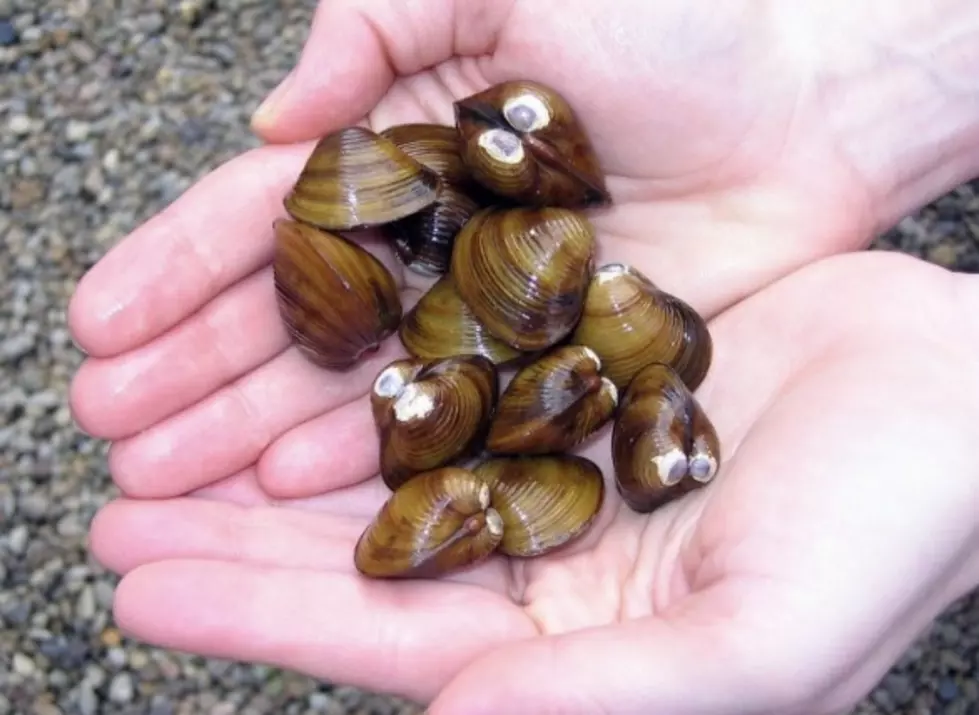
(749, 146)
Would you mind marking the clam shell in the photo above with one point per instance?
(524, 272)
(663, 443)
(337, 301)
(522, 140)
(434, 145)
(545, 502)
(356, 179)
(423, 241)
(437, 523)
(553, 404)
(431, 412)
(441, 325)
(631, 323)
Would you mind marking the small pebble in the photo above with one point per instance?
(8, 33)
(23, 665)
(121, 688)
(948, 690)
(19, 125)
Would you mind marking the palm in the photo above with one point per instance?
(796, 367)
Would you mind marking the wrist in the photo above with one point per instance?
(897, 83)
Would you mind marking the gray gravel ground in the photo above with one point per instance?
(109, 109)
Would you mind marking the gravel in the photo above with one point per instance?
(109, 109)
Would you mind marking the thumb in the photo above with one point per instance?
(690, 663)
(355, 50)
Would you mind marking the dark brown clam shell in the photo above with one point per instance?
(522, 140)
(524, 272)
(337, 301)
(545, 502)
(553, 404)
(663, 444)
(356, 179)
(439, 522)
(429, 413)
(423, 241)
(631, 323)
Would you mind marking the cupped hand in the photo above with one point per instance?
(838, 527)
(722, 175)
(724, 181)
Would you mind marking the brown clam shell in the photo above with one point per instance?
(441, 325)
(434, 145)
(545, 502)
(423, 241)
(337, 301)
(431, 412)
(356, 179)
(663, 444)
(522, 140)
(553, 404)
(434, 524)
(631, 323)
(524, 272)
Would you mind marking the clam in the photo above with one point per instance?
(439, 522)
(545, 502)
(523, 141)
(524, 271)
(337, 301)
(423, 241)
(631, 323)
(356, 179)
(436, 146)
(431, 412)
(663, 443)
(441, 325)
(553, 404)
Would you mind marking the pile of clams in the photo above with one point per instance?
(494, 212)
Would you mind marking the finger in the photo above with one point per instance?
(407, 637)
(660, 660)
(330, 451)
(213, 236)
(243, 489)
(128, 533)
(357, 47)
(116, 397)
(240, 488)
(229, 430)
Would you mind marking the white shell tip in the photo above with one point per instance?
(413, 403)
(609, 387)
(494, 522)
(671, 467)
(484, 496)
(503, 146)
(390, 382)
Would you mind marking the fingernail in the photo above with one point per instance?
(267, 109)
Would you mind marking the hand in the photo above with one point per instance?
(840, 525)
(191, 375)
